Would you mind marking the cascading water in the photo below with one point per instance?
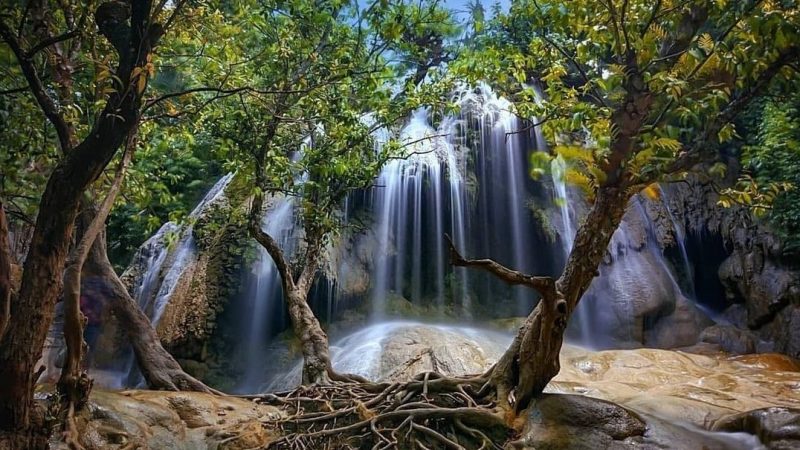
(265, 309)
(162, 268)
(558, 168)
(410, 208)
(472, 166)
(502, 176)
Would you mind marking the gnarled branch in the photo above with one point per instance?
(543, 285)
(45, 102)
(268, 242)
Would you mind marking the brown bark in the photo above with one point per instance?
(74, 384)
(5, 273)
(532, 359)
(158, 367)
(313, 340)
(42, 278)
(317, 368)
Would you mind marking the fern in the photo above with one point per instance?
(706, 42)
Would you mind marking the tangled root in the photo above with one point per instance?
(431, 411)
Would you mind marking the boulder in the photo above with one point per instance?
(578, 422)
(767, 287)
(173, 420)
(777, 427)
(730, 339)
(680, 328)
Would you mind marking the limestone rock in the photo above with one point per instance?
(173, 420)
(730, 339)
(778, 428)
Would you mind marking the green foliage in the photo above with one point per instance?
(775, 161)
(626, 90)
(321, 79)
(170, 170)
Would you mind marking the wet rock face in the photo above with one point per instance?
(755, 274)
(173, 420)
(778, 428)
(731, 339)
(636, 300)
(578, 422)
(771, 295)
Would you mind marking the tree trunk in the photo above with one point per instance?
(313, 340)
(34, 307)
(5, 272)
(74, 384)
(532, 360)
(159, 368)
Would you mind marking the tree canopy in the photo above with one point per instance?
(295, 95)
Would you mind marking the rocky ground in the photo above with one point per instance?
(643, 398)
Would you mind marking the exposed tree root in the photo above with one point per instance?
(429, 412)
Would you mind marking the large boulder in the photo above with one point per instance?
(172, 420)
(730, 339)
(577, 422)
(397, 351)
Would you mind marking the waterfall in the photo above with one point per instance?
(558, 167)
(161, 269)
(464, 174)
(265, 309)
(409, 205)
(688, 270)
(680, 240)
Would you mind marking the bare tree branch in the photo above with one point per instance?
(47, 104)
(51, 41)
(543, 285)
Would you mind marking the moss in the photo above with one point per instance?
(543, 221)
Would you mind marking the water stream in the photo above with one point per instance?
(162, 267)
(265, 309)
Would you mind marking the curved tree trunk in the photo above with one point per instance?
(535, 361)
(532, 359)
(159, 368)
(313, 340)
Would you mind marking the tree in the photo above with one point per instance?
(303, 128)
(635, 92)
(774, 157)
(87, 144)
